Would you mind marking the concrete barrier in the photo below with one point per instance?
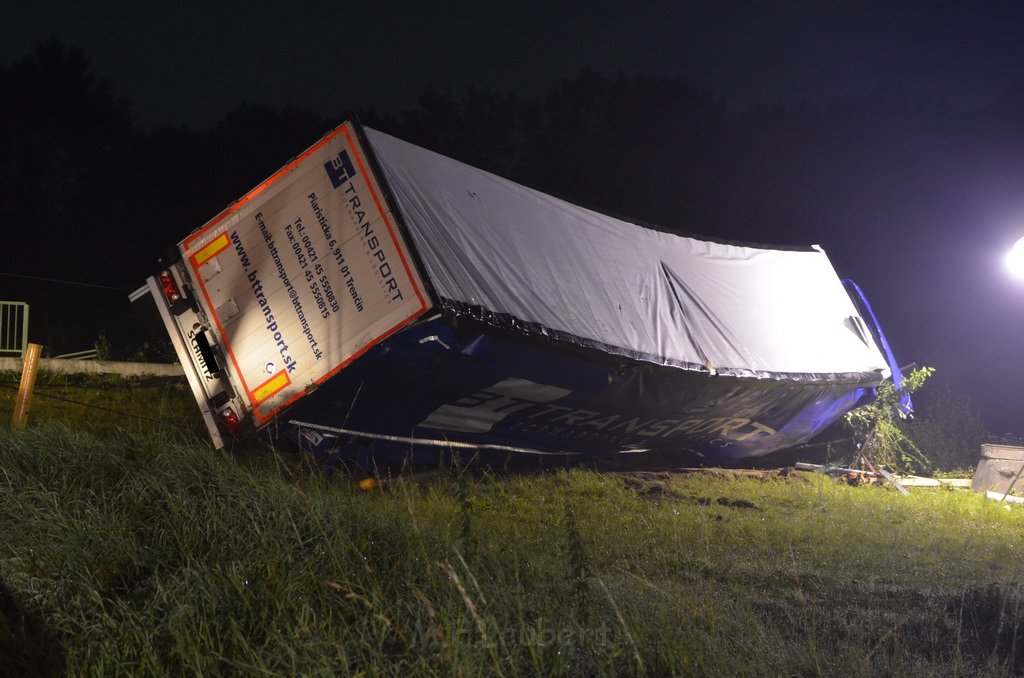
(97, 367)
(998, 469)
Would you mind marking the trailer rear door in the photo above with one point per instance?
(303, 274)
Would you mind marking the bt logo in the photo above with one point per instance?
(339, 169)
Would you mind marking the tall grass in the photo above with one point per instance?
(133, 554)
(105, 404)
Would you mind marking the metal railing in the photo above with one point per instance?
(87, 354)
(13, 328)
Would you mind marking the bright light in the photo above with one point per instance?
(1015, 259)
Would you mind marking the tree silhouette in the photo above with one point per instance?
(481, 127)
(66, 140)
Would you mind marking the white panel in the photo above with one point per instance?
(741, 310)
(304, 273)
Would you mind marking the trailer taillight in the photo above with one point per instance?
(170, 287)
(231, 420)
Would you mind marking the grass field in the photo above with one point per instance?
(106, 404)
(133, 549)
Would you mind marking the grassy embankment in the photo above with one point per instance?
(141, 552)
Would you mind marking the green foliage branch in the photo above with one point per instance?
(877, 426)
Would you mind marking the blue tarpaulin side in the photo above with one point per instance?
(864, 305)
(434, 383)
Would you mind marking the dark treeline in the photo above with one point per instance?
(895, 189)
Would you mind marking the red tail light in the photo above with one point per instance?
(230, 419)
(170, 287)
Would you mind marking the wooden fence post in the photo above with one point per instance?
(28, 383)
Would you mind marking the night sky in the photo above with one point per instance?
(190, 62)
(930, 257)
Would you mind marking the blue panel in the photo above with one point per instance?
(864, 307)
(437, 383)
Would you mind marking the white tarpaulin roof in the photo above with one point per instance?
(533, 260)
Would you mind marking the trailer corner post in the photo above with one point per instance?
(28, 383)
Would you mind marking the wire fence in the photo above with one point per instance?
(125, 414)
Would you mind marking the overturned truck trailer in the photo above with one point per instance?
(374, 290)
